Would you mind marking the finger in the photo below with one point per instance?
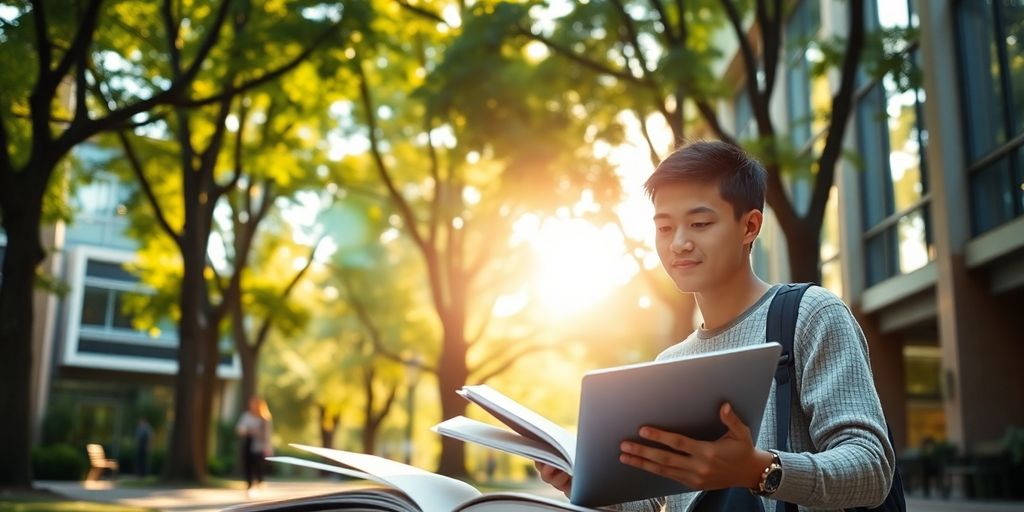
(650, 466)
(657, 455)
(677, 442)
(733, 422)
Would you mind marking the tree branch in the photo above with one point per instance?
(663, 18)
(646, 77)
(269, 76)
(432, 16)
(213, 34)
(43, 46)
(136, 166)
(758, 102)
(81, 42)
(264, 329)
(842, 105)
(580, 59)
(771, 35)
(371, 327)
(382, 170)
(508, 362)
(711, 117)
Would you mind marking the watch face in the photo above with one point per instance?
(772, 481)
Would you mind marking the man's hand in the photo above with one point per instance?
(729, 461)
(556, 477)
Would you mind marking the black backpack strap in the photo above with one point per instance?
(782, 314)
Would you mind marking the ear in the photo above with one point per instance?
(752, 222)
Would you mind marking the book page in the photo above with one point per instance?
(521, 419)
(429, 490)
(515, 502)
(473, 431)
(295, 461)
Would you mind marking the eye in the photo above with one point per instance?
(664, 229)
(700, 225)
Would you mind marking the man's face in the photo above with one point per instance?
(699, 240)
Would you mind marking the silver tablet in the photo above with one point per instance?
(682, 395)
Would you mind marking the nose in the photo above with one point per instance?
(680, 242)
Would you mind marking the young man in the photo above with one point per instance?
(709, 200)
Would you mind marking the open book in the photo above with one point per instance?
(396, 487)
(682, 395)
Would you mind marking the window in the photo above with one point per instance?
(808, 97)
(892, 139)
(990, 36)
(746, 128)
(106, 301)
(101, 209)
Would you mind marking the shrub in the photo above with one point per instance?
(58, 462)
(220, 465)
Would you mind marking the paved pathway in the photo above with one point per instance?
(192, 499)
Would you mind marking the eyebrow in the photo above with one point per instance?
(691, 211)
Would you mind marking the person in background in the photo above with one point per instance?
(254, 427)
(143, 433)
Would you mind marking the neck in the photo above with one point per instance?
(730, 299)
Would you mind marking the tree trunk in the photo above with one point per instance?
(452, 375)
(804, 246)
(181, 456)
(208, 383)
(21, 258)
(328, 426)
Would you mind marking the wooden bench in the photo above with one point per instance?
(98, 461)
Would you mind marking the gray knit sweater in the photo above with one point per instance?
(839, 455)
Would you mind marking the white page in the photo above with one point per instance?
(432, 492)
(295, 461)
(473, 431)
(516, 502)
(505, 409)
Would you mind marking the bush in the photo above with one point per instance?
(57, 426)
(59, 462)
(156, 461)
(220, 465)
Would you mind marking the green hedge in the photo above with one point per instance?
(59, 462)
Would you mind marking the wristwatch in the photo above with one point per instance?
(771, 477)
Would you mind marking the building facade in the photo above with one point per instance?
(98, 369)
(924, 233)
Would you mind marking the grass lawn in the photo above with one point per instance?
(42, 501)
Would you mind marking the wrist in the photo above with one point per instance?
(760, 460)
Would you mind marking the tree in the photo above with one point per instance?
(659, 56)
(240, 66)
(488, 147)
(45, 111)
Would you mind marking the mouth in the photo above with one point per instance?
(685, 264)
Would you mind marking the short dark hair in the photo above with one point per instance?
(741, 178)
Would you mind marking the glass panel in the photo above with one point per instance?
(109, 270)
(94, 306)
(745, 127)
(905, 150)
(1013, 40)
(878, 256)
(874, 146)
(1018, 181)
(911, 233)
(122, 314)
(991, 196)
(893, 14)
(982, 93)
